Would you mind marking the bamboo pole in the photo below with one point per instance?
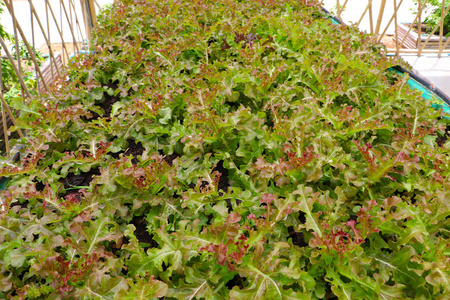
(446, 44)
(72, 25)
(27, 45)
(93, 14)
(414, 51)
(13, 63)
(364, 13)
(34, 53)
(371, 17)
(57, 27)
(5, 105)
(434, 30)
(49, 44)
(396, 32)
(16, 41)
(409, 29)
(5, 132)
(86, 25)
(76, 21)
(47, 40)
(98, 5)
(341, 9)
(11, 116)
(419, 17)
(338, 7)
(380, 16)
(75, 44)
(87, 21)
(390, 21)
(441, 29)
(62, 30)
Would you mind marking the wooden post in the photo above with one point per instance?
(380, 16)
(86, 22)
(90, 18)
(62, 29)
(5, 130)
(369, 4)
(33, 43)
(75, 45)
(409, 29)
(49, 45)
(57, 27)
(47, 39)
(371, 17)
(16, 41)
(342, 9)
(419, 18)
(413, 51)
(13, 63)
(338, 7)
(79, 31)
(434, 30)
(92, 12)
(11, 116)
(441, 29)
(391, 19)
(98, 5)
(5, 106)
(446, 44)
(27, 45)
(396, 30)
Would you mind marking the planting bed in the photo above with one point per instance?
(228, 150)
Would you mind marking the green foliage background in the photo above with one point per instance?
(435, 12)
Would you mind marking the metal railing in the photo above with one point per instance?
(385, 17)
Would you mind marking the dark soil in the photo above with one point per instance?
(170, 158)
(387, 237)
(107, 103)
(142, 234)
(223, 180)
(230, 205)
(298, 238)
(353, 217)
(328, 293)
(72, 182)
(235, 281)
(302, 217)
(134, 149)
(40, 186)
(442, 140)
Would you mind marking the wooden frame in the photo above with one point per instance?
(52, 68)
(415, 43)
